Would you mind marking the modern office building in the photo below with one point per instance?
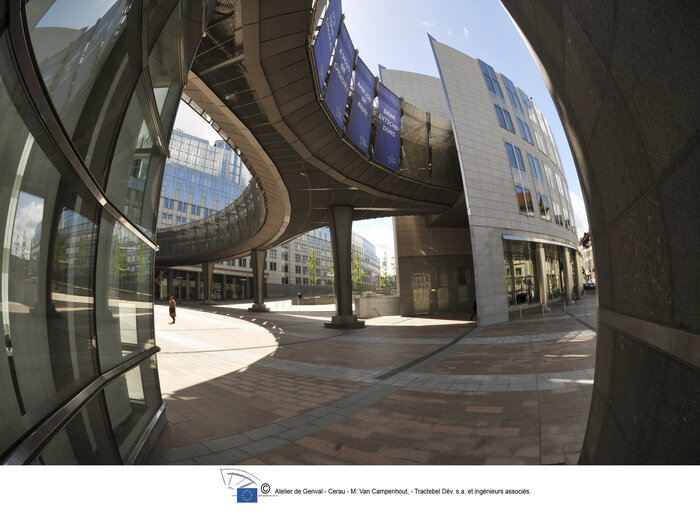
(287, 271)
(88, 95)
(512, 240)
(201, 179)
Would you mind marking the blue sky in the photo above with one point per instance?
(394, 33)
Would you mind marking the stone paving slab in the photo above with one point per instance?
(231, 399)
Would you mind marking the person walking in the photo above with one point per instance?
(172, 309)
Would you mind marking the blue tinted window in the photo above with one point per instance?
(509, 121)
(501, 118)
(533, 168)
(524, 96)
(511, 155)
(489, 84)
(519, 156)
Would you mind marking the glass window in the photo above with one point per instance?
(124, 291)
(490, 78)
(509, 121)
(48, 229)
(544, 206)
(164, 66)
(528, 200)
(501, 118)
(136, 166)
(132, 400)
(521, 199)
(520, 272)
(511, 155)
(83, 58)
(519, 158)
(86, 439)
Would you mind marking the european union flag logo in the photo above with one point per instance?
(246, 495)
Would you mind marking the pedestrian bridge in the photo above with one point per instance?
(254, 79)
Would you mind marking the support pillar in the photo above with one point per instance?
(170, 286)
(340, 223)
(257, 263)
(198, 286)
(542, 277)
(579, 274)
(208, 276)
(568, 277)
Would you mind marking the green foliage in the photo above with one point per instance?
(312, 268)
(358, 271)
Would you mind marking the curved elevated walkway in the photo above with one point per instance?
(253, 76)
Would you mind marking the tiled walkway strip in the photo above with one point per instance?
(242, 446)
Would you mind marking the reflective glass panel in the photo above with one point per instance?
(85, 440)
(48, 230)
(414, 142)
(132, 400)
(125, 293)
(520, 272)
(164, 65)
(82, 48)
(136, 167)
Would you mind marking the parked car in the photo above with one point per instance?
(589, 285)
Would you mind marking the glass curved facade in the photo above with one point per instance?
(88, 96)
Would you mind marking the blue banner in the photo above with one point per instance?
(338, 87)
(325, 41)
(360, 121)
(387, 141)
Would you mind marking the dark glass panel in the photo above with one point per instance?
(132, 400)
(125, 294)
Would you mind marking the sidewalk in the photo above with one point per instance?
(279, 388)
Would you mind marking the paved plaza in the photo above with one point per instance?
(279, 388)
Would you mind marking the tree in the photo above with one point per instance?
(384, 276)
(358, 271)
(312, 268)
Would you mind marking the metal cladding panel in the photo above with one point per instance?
(275, 27)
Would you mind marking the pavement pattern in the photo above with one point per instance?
(279, 388)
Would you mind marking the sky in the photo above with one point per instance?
(394, 33)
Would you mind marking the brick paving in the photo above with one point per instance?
(279, 388)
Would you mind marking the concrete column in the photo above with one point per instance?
(170, 286)
(340, 223)
(208, 275)
(579, 274)
(198, 285)
(542, 277)
(162, 291)
(257, 263)
(568, 276)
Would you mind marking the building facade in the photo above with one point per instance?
(200, 179)
(88, 96)
(512, 242)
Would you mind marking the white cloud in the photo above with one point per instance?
(380, 232)
(580, 216)
(449, 32)
(427, 24)
(466, 32)
(27, 219)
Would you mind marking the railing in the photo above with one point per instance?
(428, 149)
(237, 222)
